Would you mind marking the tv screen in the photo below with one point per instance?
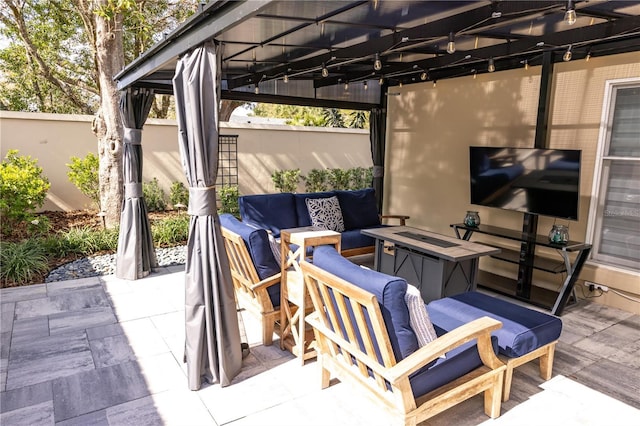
(531, 180)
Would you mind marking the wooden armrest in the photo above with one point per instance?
(402, 218)
(478, 329)
(267, 282)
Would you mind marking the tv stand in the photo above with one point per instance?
(528, 261)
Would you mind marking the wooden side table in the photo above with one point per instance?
(295, 302)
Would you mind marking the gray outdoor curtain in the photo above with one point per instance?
(212, 347)
(135, 255)
(377, 134)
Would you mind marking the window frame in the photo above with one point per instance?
(601, 175)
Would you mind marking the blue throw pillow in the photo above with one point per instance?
(359, 208)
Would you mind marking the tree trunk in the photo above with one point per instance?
(108, 125)
(227, 107)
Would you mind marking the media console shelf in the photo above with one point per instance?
(527, 260)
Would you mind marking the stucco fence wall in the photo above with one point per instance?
(53, 139)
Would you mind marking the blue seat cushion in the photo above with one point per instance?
(359, 208)
(302, 213)
(355, 239)
(523, 329)
(389, 292)
(269, 211)
(257, 242)
(457, 362)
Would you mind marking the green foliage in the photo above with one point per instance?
(178, 194)
(358, 119)
(39, 226)
(172, 231)
(315, 181)
(20, 262)
(154, 196)
(83, 173)
(23, 189)
(360, 177)
(339, 178)
(286, 180)
(87, 241)
(333, 117)
(229, 200)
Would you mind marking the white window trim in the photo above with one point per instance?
(605, 127)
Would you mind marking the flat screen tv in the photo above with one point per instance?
(530, 180)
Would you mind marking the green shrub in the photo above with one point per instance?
(172, 231)
(286, 180)
(315, 181)
(178, 194)
(229, 200)
(83, 173)
(39, 225)
(23, 189)
(338, 178)
(360, 178)
(154, 196)
(21, 262)
(87, 241)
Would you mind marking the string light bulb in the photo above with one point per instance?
(567, 55)
(588, 56)
(256, 90)
(365, 85)
(526, 64)
(435, 82)
(346, 86)
(451, 46)
(325, 71)
(492, 66)
(285, 78)
(423, 76)
(381, 81)
(400, 85)
(377, 63)
(570, 15)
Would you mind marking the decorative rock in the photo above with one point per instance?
(106, 264)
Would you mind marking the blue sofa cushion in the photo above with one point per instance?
(269, 211)
(389, 292)
(257, 243)
(302, 213)
(523, 329)
(359, 208)
(355, 239)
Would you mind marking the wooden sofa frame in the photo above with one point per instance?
(251, 291)
(387, 382)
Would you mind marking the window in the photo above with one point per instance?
(615, 215)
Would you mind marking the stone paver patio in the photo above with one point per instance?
(104, 351)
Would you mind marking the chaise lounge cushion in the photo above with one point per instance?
(388, 290)
(523, 329)
(257, 243)
(269, 211)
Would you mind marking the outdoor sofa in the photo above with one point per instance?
(356, 210)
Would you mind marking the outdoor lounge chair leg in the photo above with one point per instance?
(493, 398)
(267, 332)
(508, 376)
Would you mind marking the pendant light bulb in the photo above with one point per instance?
(588, 56)
(346, 86)
(451, 46)
(377, 63)
(325, 71)
(492, 65)
(567, 55)
(365, 85)
(570, 15)
(381, 81)
(256, 90)
(526, 64)
(285, 78)
(423, 76)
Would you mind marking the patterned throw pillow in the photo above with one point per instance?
(325, 213)
(419, 317)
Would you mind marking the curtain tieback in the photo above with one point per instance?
(202, 201)
(132, 190)
(132, 136)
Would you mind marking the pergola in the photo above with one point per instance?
(336, 54)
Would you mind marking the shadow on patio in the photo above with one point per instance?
(105, 351)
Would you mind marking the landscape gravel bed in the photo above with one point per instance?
(106, 264)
